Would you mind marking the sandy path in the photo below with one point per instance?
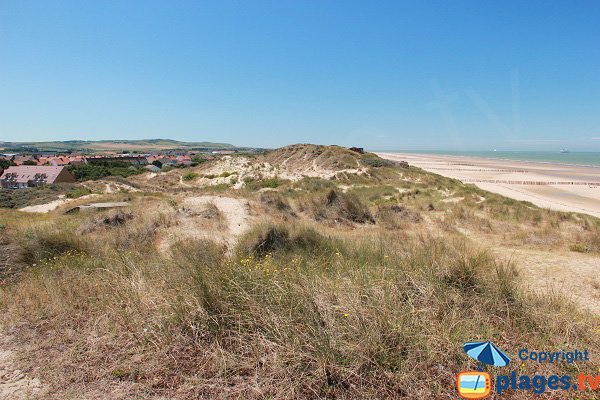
(53, 205)
(44, 208)
(115, 187)
(234, 220)
(14, 384)
(573, 275)
(236, 211)
(558, 187)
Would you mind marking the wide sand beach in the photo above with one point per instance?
(554, 186)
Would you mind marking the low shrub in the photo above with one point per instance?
(340, 207)
(110, 220)
(78, 192)
(49, 241)
(578, 247)
(190, 176)
(257, 184)
(372, 160)
(396, 216)
(312, 184)
(277, 202)
(199, 159)
(267, 239)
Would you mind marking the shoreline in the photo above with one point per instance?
(551, 185)
(490, 158)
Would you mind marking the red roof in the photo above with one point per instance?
(26, 173)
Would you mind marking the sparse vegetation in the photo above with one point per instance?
(277, 202)
(20, 198)
(372, 160)
(189, 176)
(78, 192)
(257, 184)
(340, 207)
(357, 287)
(346, 314)
(198, 159)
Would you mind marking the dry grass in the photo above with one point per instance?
(293, 314)
(396, 216)
(340, 208)
(301, 308)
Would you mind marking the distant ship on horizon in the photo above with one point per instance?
(564, 150)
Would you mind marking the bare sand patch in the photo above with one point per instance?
(453, 200)
(233, 220)
(53, 205)
(573, 275)
(116, 187)
(14, 383)
(236, 211)
(44, 208)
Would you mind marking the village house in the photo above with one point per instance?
(77, 160)
(24, 160)
(152, 168)
(25, 176)
(59, 161)
(184, 160)
(165, 161)
(150, 159)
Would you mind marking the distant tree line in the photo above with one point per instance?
(5, 163)
(86, 172)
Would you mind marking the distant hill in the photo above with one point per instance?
(111, 145)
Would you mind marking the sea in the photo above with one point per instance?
(573, 158)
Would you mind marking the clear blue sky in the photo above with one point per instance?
(380, 74)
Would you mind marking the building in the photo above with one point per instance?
(184, 160)
(152, 168)
(165, 161)
(24, 160)
(150, 159)
(25, 176)
(59, 161)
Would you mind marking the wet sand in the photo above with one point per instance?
(554, 186)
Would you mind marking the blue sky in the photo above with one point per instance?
(446, 75)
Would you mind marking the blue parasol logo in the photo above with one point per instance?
(487, 353)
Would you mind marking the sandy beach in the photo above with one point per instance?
(551, 185)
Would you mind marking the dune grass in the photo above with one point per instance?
(296, 311)
(363, 287)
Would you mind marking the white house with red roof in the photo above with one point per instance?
(24, 176)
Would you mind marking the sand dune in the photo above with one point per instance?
(553, 186)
